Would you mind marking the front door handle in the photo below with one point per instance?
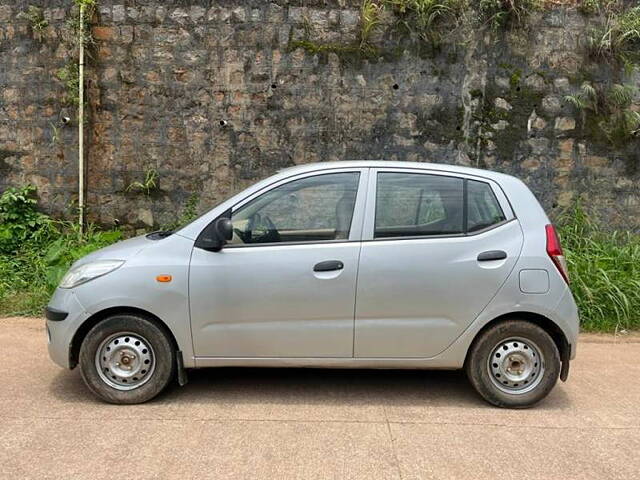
(492, 255)
(328, 266)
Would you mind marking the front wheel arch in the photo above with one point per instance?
(93, 320)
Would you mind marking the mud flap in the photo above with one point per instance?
(564, 358)
(182, 373)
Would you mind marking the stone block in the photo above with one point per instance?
(502, 104)
(565, 123)
(118, 13)
(104, 33)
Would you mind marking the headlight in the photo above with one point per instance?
(89, 271)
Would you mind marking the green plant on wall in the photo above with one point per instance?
(609, 112)
(369, 22)
(69, 73)
(187, 215)
(499, 14)
(73, 22)
(55, 133)
(69, 76)
(585, 99)
(619, 38)
(622, 123)
(148, 185)
(589, 7)
(35, 16)
(428, 19)
(370, 11)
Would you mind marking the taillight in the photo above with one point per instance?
(554, 250)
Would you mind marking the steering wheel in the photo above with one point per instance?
(273, 231)
(256, 221)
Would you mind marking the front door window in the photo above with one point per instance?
(311, 209)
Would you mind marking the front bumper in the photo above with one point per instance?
(64, 315)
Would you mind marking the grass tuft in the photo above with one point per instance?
(619, 38)
(604, 267)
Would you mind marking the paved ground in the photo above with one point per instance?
(309, 424)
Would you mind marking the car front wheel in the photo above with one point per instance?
(513, 364)
(127, 359)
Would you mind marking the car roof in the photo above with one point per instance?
(439, 167)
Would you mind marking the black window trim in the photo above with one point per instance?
(465, 232)
(466, 207)
(445, 235)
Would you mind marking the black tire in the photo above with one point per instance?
(478, 368)
(164, 359)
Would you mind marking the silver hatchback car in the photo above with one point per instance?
(364, 264)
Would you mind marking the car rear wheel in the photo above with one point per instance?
(127, 359)
(513, 364)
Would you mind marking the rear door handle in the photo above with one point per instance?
(492, 255)
(328, 266)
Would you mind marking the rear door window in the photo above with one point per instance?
(414, 204)
(483, 209)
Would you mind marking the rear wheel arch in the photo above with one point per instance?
(548, 325)
(93, 320)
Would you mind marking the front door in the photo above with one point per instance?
(423, 277)
(285, 284)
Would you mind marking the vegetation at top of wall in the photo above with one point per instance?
(342, 50)
(619, 38)
(609, 112)
(427, 20)
(369, 21)
(431, 21)
(500, 14)
(362, 47)
(36, 251)
(589, 7)
(604, 268)
(35, 16)
(593, 7)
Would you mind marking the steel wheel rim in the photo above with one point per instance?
(516, 366)
(125, 361)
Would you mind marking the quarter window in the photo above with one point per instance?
(483, 209)
(412, 204)
(318, 208)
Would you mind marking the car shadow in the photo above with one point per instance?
(308, 386)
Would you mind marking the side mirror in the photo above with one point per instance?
(216, 235)
(224, 229)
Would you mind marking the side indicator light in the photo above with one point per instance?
(164, 278)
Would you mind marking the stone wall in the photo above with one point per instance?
(211, 96)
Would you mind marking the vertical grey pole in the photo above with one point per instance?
(81, 123)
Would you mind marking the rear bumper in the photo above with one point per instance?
(568, 319)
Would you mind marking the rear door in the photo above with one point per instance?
(437, 247)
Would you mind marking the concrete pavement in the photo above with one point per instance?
(315, 424)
